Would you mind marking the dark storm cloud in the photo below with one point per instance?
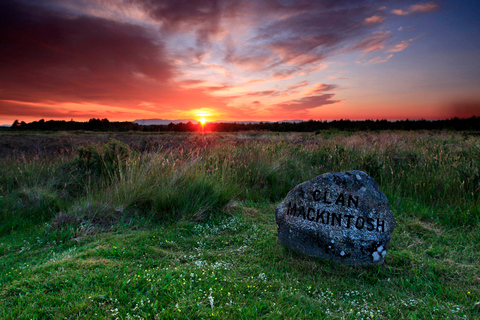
(54, 55)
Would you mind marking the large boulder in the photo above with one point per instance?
(337, 216)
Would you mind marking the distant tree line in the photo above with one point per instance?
(469, 124)
(62, 125)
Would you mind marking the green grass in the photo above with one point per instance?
(190, 233)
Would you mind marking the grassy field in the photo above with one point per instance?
(182, 226)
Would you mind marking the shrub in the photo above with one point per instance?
(104, 159)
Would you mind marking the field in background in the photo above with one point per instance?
(135, 226)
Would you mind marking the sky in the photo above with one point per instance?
(238, 60)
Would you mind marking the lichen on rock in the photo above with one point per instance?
(337, 216)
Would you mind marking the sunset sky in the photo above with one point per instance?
(263, 60)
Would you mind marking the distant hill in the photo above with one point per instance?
(149, 122)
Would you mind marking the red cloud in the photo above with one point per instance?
(55, 57)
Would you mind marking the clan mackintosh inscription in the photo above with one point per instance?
(339, 216)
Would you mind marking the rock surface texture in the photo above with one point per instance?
(338, 216)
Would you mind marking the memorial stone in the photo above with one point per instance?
(337, 216)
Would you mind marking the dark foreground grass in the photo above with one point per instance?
(190, 233)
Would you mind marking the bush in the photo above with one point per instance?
(104, 159)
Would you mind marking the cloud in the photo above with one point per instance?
(202, 18)
(251, 61)
(191, 82)
(52, 55)
(20, 109)
(372, 43)
(170, 56)
(399, 47)
(219, 88)
(310, 36)
(263, 93)
(307, 102)
(255, 81)
(402, 45)
(377, 42)
(284, 74)
(417, 8)
(290, 40)
(374, 19)
(424, 7)
(298, 85)
(376, 60)
(322, 87)
(400, 12)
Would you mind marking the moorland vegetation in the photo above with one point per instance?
(182, 226)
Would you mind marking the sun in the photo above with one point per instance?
(202, 121)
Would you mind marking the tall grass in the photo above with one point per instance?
(440, 170)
